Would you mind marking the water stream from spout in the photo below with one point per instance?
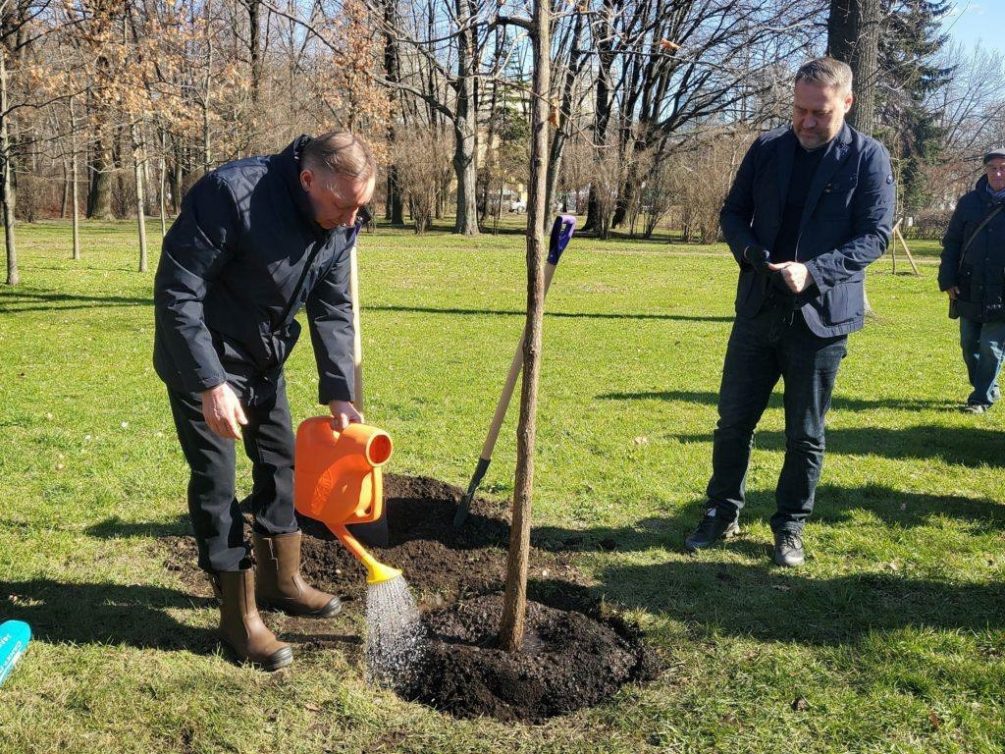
(396, 640)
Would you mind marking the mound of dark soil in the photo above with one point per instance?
(568, 660)
(572, 657)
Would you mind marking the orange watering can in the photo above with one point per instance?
(337, 480)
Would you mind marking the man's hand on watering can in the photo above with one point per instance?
(344, 414)
(222, 411)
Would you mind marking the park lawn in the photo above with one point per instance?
(890, 639)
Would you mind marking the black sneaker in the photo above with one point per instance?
(711, 528)
(789, 549)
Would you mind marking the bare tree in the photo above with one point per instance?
(670, 66)
(511, 631)
(420, 155)
(16, 37)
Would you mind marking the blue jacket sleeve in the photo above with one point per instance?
(329, 314)
(195, 249)
(738, 209)
(952, 246)
(872, 212)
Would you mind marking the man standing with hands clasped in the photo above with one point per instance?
(811, 206)
(256, 240)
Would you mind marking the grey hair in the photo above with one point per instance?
(340, 153)
(826, 72)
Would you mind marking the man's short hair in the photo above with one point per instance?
(340, 153)
(826, 72)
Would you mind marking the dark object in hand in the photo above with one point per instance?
(758, 257)
(954, 310)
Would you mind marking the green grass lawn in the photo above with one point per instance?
(893, 633)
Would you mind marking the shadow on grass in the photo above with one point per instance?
(25, 301)
(106, 614)
(964, 446)
(838, 402)
(557, 315)
(769, 604)
(115, 528)
(835, 505)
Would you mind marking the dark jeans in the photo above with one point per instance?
(212, 504)
(983, 347)
(776, 343)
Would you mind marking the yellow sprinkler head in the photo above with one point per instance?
(377, 573)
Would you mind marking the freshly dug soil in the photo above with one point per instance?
(568, 661)
(572, 656)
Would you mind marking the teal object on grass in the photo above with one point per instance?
(14, 638)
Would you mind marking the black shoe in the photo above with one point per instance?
(789, 549)
(711, 528)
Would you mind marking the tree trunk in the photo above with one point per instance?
(467, 177)
(491, 150)
(206, 154)
(140, 203)
(66, 191)
(99, 199)
(177, 177)
(605, 55)
(163, 183)
(254, 32)
(466, 127)
(75, 181)
(511, 629)
(395, 206)
(853, 37)
(6, 189)
(560, 134)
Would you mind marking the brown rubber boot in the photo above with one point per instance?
(241, 627)
(280, 585)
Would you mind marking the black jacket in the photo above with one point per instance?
(237, 264)
(846, 223)
(981, 276)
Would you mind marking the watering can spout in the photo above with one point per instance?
(338, 481)
(376, 572)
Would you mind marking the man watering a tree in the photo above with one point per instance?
(256, 240)
(811, 206)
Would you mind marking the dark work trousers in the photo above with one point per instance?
(776, 343)
(212, 504)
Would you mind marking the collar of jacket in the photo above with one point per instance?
(289, 160)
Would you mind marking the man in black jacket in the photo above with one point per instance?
(972, 272)
(811, 206)
(256, 240)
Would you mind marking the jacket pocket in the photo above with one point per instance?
(283, 341)
(843, 303)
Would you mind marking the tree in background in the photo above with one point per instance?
(853, 33)
(911, 75)
(970, 113)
